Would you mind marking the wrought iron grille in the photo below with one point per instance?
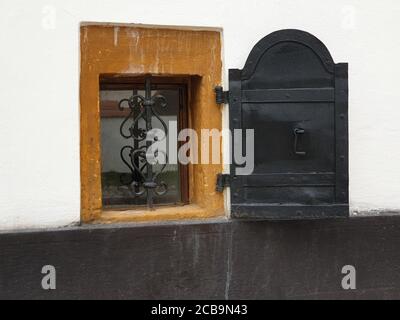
(138, 156)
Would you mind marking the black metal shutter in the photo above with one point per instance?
(296, 99)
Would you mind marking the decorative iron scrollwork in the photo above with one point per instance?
(142, 178)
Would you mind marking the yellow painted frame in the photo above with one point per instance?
(138, 50)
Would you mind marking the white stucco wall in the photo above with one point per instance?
(39, 88)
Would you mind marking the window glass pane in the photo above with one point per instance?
(117, 186)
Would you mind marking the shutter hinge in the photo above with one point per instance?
(221, 96)
(223, 180)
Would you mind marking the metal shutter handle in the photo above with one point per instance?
(297, 132)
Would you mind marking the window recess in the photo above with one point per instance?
(185, 66)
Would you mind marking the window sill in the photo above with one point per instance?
(160, 214)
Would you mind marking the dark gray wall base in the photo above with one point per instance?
(213, 260)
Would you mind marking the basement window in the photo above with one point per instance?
(130, 108)
(183, 66)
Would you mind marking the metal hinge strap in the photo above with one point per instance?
(223, 180)
(221, 96)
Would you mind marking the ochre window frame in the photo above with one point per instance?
(137, 50)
